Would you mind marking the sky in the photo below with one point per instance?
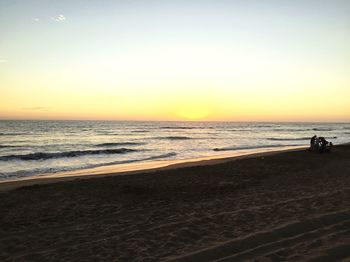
(218, 60)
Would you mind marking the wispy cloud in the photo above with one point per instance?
(36, 19)
(35, 108)
(59, 18)
(3, 61)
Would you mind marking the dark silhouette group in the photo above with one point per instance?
(320, 144)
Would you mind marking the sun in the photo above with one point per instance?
(193, 112)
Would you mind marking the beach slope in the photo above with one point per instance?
(284, 206)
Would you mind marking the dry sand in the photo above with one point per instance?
(286, 206)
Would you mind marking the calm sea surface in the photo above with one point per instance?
(30, 148)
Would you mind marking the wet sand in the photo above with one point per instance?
(285, 206)
(137, 168)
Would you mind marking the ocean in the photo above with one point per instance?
(33, 148)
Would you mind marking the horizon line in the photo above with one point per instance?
(185, 120)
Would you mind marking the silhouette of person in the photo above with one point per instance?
(312, 142)
(323, 143)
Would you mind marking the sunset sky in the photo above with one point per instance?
(175, 60)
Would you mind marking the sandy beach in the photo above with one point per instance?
(280, 206)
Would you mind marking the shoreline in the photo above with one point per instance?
(142, 167)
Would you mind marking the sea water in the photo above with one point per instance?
(32, 148)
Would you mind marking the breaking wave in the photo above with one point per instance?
(174, 138)
(24, 173)
(296, 139)
(120, 144)
(43, 156)
(177, 127)
(290, 130)
(139, 131)
(12, 134)
(248, 147)
(160, 156)
(322, 129)
(6, 146)
(288, 139)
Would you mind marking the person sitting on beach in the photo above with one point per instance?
(320, 144)
(325, 146)
(330, 145)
